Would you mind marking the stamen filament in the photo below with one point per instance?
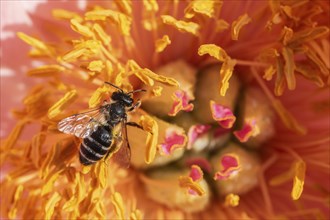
(251, 63)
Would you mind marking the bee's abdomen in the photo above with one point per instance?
(96, 146)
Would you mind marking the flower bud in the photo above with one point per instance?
(170, 143)
(163, 185)
(257, 113)
(173, 99)
(209, 90)
(243, 177)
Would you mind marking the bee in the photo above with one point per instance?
(104, 129)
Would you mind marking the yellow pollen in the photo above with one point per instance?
(232, 200)
(96, 65)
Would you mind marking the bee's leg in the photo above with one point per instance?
(134, 124)
(136, 105)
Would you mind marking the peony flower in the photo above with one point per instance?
(235, 118)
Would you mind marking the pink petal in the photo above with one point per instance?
(201, 162)
(194, 132)
(223, 115)
(181, 102)
(173, 140)
(229, 164)
(246, 132)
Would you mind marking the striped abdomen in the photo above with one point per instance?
(96, 146)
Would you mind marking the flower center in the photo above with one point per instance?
(209, 145)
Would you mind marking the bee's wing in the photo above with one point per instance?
(123, 154)
(84, 124)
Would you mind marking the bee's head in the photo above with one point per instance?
(122, 97)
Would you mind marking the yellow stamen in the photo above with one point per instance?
(101, 172)
(49, 182)
(226, 72)
(99, 31)
(289, 67)
(87, 48)
(151, 5)
(231, 200)
(280, 81)
(46, 71)
(187, 182)
(238, 24)
(124, 6)
(162, 43)
(147, 76)
(50, 205)
(66, 15)
(308, 34)
(81, 29)
(13, 136)
(189, 27)
(61, 104)
(118, 203)
(221, 25)
(151, 126)
(269, 73)
(136, 215)
(289, 121)
(38, 44)
(214, 51)
(299, 178)
(318, 62)
(201, 7)
(297, 172)
(121, 20)
(287, 34)
(36, 148)
(17, 196)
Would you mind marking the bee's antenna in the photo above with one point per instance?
(137, 90)
(114, 86)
